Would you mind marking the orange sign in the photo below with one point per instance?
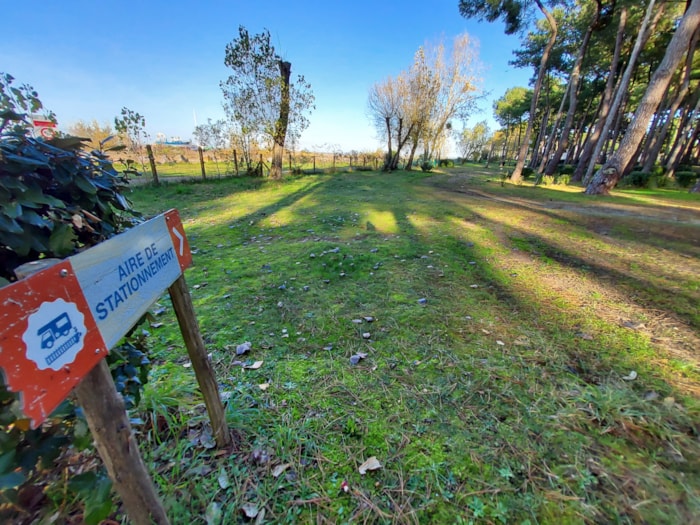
(48, 339)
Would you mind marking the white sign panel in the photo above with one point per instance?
(122, 277)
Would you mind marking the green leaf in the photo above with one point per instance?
(12, 183)
(85, 184)
(9, 225)
(83, 484)
(18, 243)
(26, 162)
(11, 480)
(96, 511)
(33, 218)
(62, 240)
(11, 209)
(7, 462)
(33, 197)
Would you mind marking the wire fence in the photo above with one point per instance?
(226, 164)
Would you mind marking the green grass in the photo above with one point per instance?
(493, 388)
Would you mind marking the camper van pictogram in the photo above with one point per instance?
(58, 327)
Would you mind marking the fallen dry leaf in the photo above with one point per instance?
(250, 510)
(371, 464)
(254, 366)
(279, 469)
(264, 386)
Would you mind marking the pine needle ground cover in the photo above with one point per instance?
(431, 348)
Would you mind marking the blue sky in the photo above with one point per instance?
(165, 59)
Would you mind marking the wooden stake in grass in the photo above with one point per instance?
(152, 161)
(201, 162)
(184, 311)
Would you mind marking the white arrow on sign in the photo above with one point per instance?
(181, 239)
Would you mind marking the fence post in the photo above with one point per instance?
(152, 160)
(110, 428)
(290, 162)
(235, 161)
(201, 162)
(314, 163)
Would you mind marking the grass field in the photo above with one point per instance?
(507, 354)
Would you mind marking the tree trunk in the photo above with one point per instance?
(553, 134)
(390, 155)
(516, 177)
(282, 122)
(608, 176)
(536, 152)
(574, 80)
(586, 155)
(620, 92)
(416, 139)
(684, 129)
(656, 145)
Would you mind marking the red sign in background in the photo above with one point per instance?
(48, 338)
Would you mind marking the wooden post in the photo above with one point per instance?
(290, 163)
(314, 163)
(235, 161)
(109, 424)
(201, 162)
(152, 160)
(184, 311)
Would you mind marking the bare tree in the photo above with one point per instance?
(392, 117)
(419, 104)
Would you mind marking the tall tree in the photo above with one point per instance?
(615, 113)
(510, 110)
(514, 14)
(456, 76)
(608, 176)
(392, 114)
(260, 98)
(573, 87)
(605, 102)
(418, 105)
(472, 141)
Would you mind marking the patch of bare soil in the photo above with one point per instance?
(600, 289)
(461, 183)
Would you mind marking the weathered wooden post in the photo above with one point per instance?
(184, 311)
(290, 163)
(314, 163)
(109, 424)
(201, 162)
(152, 160)
(235, 161)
